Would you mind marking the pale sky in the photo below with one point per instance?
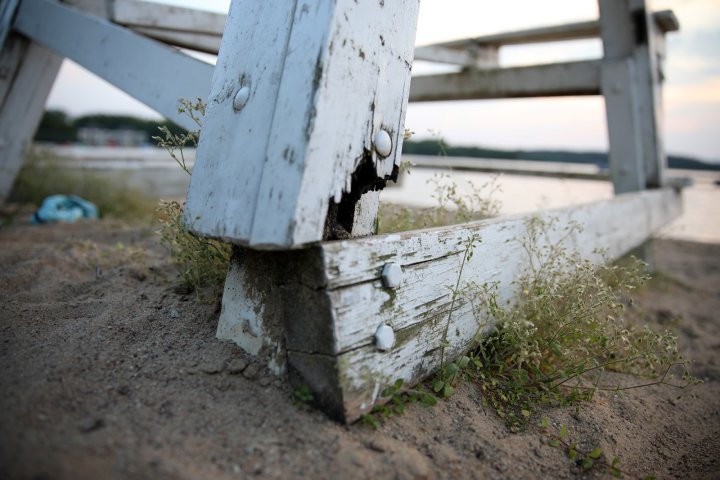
(692, 88)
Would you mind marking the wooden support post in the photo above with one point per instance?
(634, 50)
(298, 130)
(27, 73)
(298, 138)
(631, 86)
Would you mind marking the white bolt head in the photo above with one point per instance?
(384, 338)
(392, 275)
(241, 98)
(383, 143)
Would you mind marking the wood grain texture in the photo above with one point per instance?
(418, 309)
(153, 73)
(329, 75)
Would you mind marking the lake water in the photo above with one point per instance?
(154, 172)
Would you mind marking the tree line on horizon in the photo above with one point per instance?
(58, 127)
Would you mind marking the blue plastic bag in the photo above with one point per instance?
(64, 208)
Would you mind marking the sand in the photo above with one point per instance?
(108, 370)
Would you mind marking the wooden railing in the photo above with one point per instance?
(305, 124)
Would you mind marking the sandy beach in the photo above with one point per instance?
(108, 370)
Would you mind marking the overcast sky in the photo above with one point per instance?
(692, 89)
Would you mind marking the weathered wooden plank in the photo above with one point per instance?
(153, 73)
(633, 91)
(201, 42)
(269, 172)
(418, 309)
(30, 70)
(136, 13)
(571, 78)
(180, 26)
(11, 56)
(472, 56)
(555, 33)
(665, 19)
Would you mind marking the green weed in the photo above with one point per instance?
(202, 262)
(566, 329)
(585, 459)
(452, 206)
(302, 396)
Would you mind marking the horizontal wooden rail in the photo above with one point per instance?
(155, 74)
(183, 27)
(557, 79)
(202, 30)
(665, 19)
(167, 17)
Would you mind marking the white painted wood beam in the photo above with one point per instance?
(665, 19)
(556, 33)
(29, 72)
(572, 78)
(153, 73)
(313, 118)
(474, 56)
(7, 12)
(201, 42)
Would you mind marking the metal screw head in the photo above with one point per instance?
(392, 275)
(241, 98)
(384, 338)
(383, 143)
